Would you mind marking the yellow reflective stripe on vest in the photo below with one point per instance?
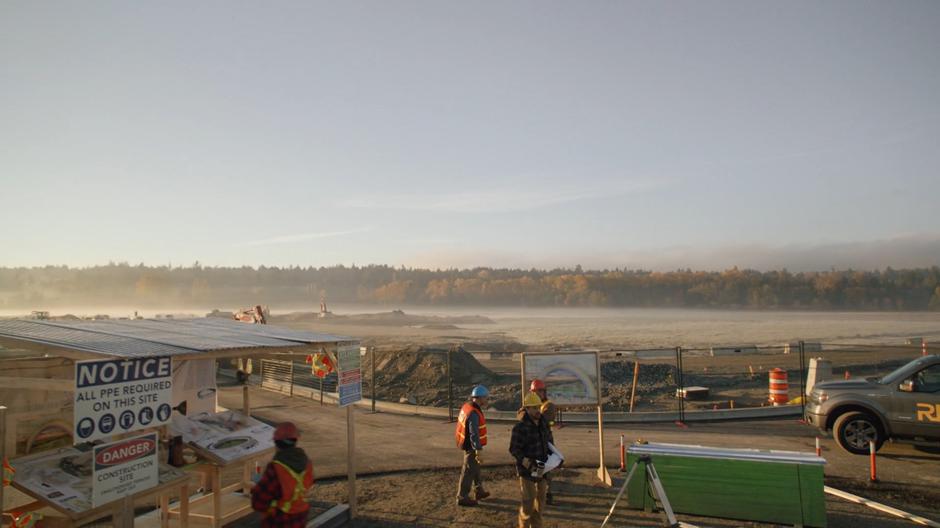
(298, 488)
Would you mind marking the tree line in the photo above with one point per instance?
(120, 284)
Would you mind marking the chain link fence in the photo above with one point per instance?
(676, 380)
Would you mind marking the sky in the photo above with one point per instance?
(655, 135)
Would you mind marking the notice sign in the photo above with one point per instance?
(350, 374)
(115, 396)
(124, 468)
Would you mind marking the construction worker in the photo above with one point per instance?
(549, 412)
(280, 494)
(529, 447)
(471, 438)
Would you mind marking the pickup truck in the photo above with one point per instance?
(904, 405)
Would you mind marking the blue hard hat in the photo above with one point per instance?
(479, 392)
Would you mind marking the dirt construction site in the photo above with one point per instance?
(409, 468)
(388, 457)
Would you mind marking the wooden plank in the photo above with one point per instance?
(38, 384)
(164, 505)
(351, 458)
(217, 498)
(232, 506)
(184, 506)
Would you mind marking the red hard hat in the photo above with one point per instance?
(537, 384)
(286, 431)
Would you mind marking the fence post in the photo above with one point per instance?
(680, 385)
(291, 377)
(802, 383)
(450, 386)
(373, 380)
(636, 377)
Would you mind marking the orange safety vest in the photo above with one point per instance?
(9, 472)
(320, 364)
(293, 488)
(461, 433)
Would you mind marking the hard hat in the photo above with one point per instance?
(531, 400)
(479, 392)
(537, 384)
(286, 431)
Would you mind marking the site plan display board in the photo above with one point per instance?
(116, 396)
(63, 478)
(224, 437)
(350, 374)
(124, 468)
(571, 378)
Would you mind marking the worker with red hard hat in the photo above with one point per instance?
(280, 494)
(548, 408)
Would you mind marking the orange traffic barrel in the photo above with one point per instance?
(779, 388)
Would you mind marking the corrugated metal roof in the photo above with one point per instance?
(167, 337)
(278, 332)
(84, 340)
(176, 332)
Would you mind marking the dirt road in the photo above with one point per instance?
(415, 466)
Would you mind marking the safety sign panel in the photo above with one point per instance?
(115, 396)
(124, 468)
(350, 374)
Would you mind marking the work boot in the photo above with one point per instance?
(466, 502)
(482, 494)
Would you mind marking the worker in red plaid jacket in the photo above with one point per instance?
(281, 492)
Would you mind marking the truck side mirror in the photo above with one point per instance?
(906, 386)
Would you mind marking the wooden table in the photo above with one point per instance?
(224, 440)
(223, 504)
(81, 512)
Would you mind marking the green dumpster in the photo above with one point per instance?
(783, 487)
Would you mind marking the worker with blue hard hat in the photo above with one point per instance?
(471, 437)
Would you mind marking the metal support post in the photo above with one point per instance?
(802, 382)
(680, 384)
(372, 379)
(450, 386)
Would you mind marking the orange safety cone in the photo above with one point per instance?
(923, 348)
(623, 455)
(847, 376)
(818, 448)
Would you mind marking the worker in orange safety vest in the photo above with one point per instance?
(471, 438)
(280, 493)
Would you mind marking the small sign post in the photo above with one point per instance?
(350, 374)
(349, 370)
(117, 396)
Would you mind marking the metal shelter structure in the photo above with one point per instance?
(37, 363)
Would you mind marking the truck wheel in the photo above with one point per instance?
(854, 430)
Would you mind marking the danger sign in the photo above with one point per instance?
(123, 468)
(116, 396)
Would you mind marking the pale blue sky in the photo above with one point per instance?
(639, 134)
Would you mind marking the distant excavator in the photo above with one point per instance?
(257, 315)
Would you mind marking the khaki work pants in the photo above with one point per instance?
(469, 476)
(533, 502)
